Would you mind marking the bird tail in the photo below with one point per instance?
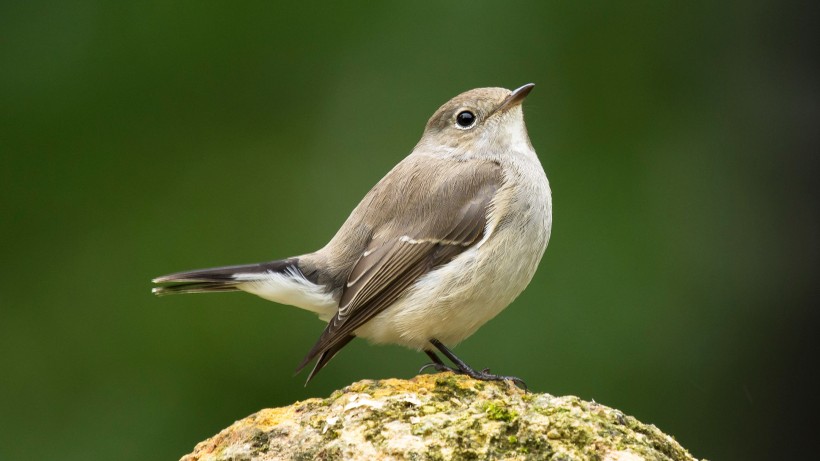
(282, 281)
(218, 279)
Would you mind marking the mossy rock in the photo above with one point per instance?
(439, 417)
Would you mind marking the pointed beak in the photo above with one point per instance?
(516, 97)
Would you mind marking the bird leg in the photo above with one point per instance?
(436, 363)
(462, 368)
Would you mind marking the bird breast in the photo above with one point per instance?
(451, 302)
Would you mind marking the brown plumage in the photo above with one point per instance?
(445, 241)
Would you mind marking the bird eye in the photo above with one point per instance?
(465, 119)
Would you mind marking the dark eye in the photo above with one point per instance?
(465, 119)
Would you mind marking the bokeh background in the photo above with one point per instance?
(138, 139)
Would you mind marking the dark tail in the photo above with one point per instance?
(324, 357)
(217, 279)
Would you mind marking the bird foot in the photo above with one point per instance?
(483, 375)
(440, 367)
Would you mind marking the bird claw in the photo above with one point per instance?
(482, 375)
(438, 367)
(462, 368)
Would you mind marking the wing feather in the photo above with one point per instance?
(399, 253)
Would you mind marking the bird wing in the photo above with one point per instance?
(419, 234)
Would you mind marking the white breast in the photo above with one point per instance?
(453, 301)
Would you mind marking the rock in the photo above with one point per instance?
(439, 417)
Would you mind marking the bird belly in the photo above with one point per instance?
(451, 302)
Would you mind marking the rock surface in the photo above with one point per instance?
(439, 417)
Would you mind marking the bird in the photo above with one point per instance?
(444, 242)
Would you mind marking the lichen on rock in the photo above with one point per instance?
(439, 417)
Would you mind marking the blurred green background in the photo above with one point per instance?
(143, 138)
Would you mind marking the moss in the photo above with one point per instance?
(439, 417)
(562, 457)
(497, 411)
(449, 386)
(434, 455)
(324, 454)
(465, 454)
(260, 440)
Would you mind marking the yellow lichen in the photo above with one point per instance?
(440, 417)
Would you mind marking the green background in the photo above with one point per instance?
(143, 138)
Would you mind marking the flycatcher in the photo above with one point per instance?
(442, 244)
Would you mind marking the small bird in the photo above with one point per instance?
(442, 244)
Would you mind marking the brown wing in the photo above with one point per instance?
(394, 260)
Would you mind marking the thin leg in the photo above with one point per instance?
(463, 368)
(436, 363)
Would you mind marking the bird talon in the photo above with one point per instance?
(519, 383)
(426, 366)
(437, 366)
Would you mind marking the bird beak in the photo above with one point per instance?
(516, 97)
